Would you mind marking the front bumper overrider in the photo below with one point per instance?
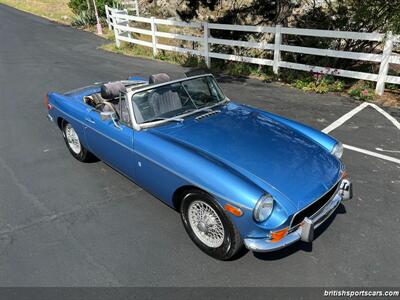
(305, 231)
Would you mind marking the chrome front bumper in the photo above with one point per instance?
(305, 231)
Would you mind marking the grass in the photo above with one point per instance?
(127, 49)
(146, 52)
(56, 10)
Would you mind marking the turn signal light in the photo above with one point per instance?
(233, 210)
(345, 175)
(278, 235)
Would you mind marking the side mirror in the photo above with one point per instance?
(110, 115)
(107, 115)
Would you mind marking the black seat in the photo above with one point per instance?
(165, 101)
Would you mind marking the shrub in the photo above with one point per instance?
(391, 86)
(84, 19)
(80, 6)
(319, 83)
(238, 69)
(362, 90)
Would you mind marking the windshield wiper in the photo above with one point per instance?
(165, 119)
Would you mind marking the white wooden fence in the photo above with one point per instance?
(132, 6)
(121, 23)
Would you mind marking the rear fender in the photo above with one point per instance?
(71, 110)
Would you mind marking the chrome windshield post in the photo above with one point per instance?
(135, 125)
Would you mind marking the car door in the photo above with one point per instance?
(112, 143)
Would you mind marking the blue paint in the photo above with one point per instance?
(236, 155)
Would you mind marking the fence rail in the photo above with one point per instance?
(121, 23)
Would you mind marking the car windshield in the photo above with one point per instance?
(176, 99)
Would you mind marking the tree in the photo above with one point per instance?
(351, 15)
(345, 15)
(260, 12)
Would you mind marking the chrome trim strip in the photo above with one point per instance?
(131, 113)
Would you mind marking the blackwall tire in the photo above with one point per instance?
(214, 232)
(74, 145)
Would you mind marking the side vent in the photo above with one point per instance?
(208, 114)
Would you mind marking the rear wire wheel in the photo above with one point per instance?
(73, 143)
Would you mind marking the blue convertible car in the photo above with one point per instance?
(238, 175)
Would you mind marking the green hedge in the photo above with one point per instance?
(81, 6)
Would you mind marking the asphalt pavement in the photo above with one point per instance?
(64, 223)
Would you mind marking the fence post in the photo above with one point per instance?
(384, 66)
(277, 50)
(126, 23)
(206, 49)
(137, 8)
(153, 36)
(108, 18)
(116, 32)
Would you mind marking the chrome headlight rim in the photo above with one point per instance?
(263, 209)
(337, 150)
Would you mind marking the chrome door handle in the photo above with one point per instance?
(90, 120)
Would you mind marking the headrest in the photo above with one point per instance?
(198, 71)
(159, 78)
(112, 90)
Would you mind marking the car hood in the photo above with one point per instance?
(270, 154)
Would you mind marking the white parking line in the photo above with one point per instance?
(350, 114)
(383, 150)
(389, 117)
(345, 117)
(371, 153)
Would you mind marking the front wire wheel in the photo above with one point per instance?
(206, 224)
(209, 227)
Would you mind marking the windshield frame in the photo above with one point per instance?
(138, 126)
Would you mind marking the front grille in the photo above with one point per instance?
(314, 207)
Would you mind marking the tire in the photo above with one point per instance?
(223, 242)
(74, 145)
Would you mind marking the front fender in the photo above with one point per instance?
(165, 165)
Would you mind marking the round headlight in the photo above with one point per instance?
(338, 150)
(263, 208)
